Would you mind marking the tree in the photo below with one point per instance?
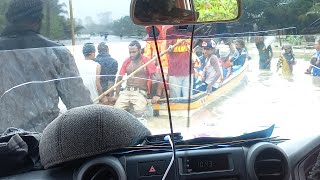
(275, 14)
(215, 10)
(54, 19)
(67, 31)
(125, 26)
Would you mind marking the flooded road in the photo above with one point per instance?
(260, 100)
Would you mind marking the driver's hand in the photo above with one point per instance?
(155, 99)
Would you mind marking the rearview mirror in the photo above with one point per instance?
(182, 12)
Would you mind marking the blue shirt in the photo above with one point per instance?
(109, 68)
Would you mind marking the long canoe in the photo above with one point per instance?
(179, 106)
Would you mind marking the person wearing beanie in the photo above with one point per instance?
(27, 57)
(90, 70)
(109, 67)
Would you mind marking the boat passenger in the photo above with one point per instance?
(211, 72)
(239, 56)
(150, 51)
(179, 64)
(225, 61)
(199, 70)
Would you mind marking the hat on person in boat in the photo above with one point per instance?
(208, 44)
(24, 10)
(224, 53)
(88, 131)
(88, 48)
(103, 47)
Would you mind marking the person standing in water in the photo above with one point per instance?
(286, 61)
(265, 53)
(90, 71)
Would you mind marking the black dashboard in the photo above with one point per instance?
(263, 161)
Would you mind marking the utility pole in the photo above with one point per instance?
(71, 22)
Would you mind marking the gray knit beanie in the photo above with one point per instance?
(24, 10)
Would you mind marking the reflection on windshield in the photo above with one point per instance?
(237, 83)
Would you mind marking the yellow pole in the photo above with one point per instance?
(72, 24)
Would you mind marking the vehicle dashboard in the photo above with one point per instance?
(260, 161)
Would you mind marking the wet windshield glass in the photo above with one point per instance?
(245, 75)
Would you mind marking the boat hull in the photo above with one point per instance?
(200, 100)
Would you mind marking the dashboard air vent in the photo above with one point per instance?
(108, 168)
(100, 171)
(266, 161)
(270, 164)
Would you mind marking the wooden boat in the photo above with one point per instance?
(179, 106)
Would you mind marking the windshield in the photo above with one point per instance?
(244, 76)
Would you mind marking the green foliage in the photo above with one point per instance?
(294, 40)
(275, 14)
(216, 10)
(55, 23)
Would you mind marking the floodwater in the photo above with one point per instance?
(260, 100)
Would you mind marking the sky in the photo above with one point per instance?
(83, 8)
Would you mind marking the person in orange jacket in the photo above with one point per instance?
(150, 51)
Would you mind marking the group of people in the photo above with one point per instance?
(287, 59)
(216, 65)
(207, 71)
(208, 67)
(97, 72)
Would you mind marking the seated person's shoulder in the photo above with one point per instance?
(51, 43)
(58, 47)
